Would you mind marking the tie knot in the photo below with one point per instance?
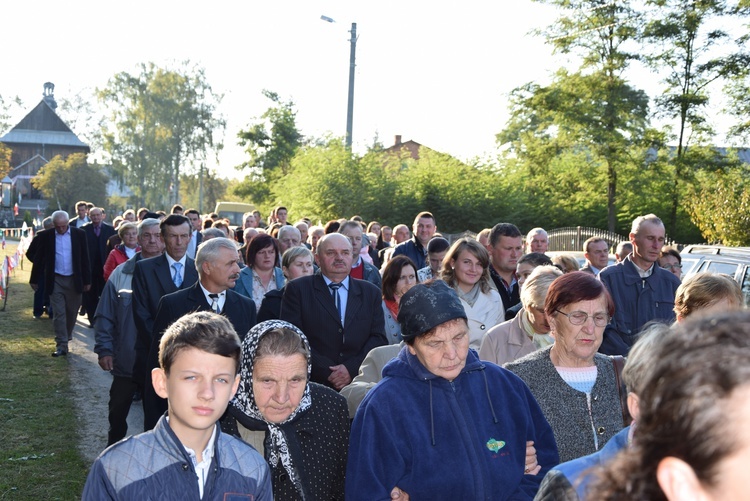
(335, 286)
(213, 296)
(177, 266)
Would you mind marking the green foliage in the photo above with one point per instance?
(688, 45)
(60, 181)
(270, 144)
(7, 109)
(570, 142)
(326, 182)
(460, 196)
(5, 154)
(720, 205)
(591, 117)
(161, 124)
(214, 190)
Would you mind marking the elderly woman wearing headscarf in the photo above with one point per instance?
(300, 427)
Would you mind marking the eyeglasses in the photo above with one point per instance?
(672, 267)
(580, 317)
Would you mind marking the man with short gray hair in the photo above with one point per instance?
(61, 255)
(640, 288)
(216, 262)
(115, 332)
(537, 241)
(288, 237)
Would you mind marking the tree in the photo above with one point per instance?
(60, 181)
(460, 196)
(270, 144)
(325, 181)
(7, 107)
(594, 111)
(214, 190)
(684, 46)
(161, 123)
(6, 111)
(81, 116)
(720, 205)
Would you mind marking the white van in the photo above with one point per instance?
(233, 211)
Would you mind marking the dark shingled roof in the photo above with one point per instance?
(42, 126)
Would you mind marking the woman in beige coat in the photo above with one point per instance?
(529, 330)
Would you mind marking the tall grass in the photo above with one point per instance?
(38, 428)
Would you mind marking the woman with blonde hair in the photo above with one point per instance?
(566, 263)
(707, 293)
(466, 269)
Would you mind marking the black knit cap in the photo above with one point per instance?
(427, 305)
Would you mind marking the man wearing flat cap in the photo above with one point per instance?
(442, 424)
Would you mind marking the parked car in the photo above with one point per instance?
(733, 261)
(579, 257)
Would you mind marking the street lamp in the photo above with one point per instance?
(350, 103)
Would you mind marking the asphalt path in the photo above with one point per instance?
(90, 386)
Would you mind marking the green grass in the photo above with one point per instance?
(39, 458)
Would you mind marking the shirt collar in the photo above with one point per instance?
(344, 282)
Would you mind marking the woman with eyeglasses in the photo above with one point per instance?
(670, 260)
(575, 386)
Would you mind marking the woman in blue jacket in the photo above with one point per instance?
(442, 424)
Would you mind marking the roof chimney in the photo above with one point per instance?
(49, 95)
(397, 141)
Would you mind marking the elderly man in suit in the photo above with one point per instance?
(97, 234)
(218, 270)
(157, 277)
(115, 331)
(361, 269)
(341, 316)
(62, 256)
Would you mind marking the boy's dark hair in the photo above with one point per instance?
(437, 244)
(536, 259)
(203, 330)
(176, 207)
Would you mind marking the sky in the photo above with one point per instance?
(435, 72)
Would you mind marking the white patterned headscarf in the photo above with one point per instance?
(244, 400)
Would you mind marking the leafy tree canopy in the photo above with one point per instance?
(60, 182)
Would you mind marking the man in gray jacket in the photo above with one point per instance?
(115, 331)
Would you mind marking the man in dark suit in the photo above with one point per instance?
(341, 316)
(82, 208)
(218, 270)
(196, 225)
(61, 255)
(97, 234)
(157, 277)
(596, 252)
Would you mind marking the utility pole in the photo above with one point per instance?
(200, 190)
(350, 104)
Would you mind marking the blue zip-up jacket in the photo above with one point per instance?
(414, 250)
(155, 465)
(437, 439)
(637, 301)
(569, 481)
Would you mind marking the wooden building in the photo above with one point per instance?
(39, 137)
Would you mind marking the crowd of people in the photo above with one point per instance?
(354, 360)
